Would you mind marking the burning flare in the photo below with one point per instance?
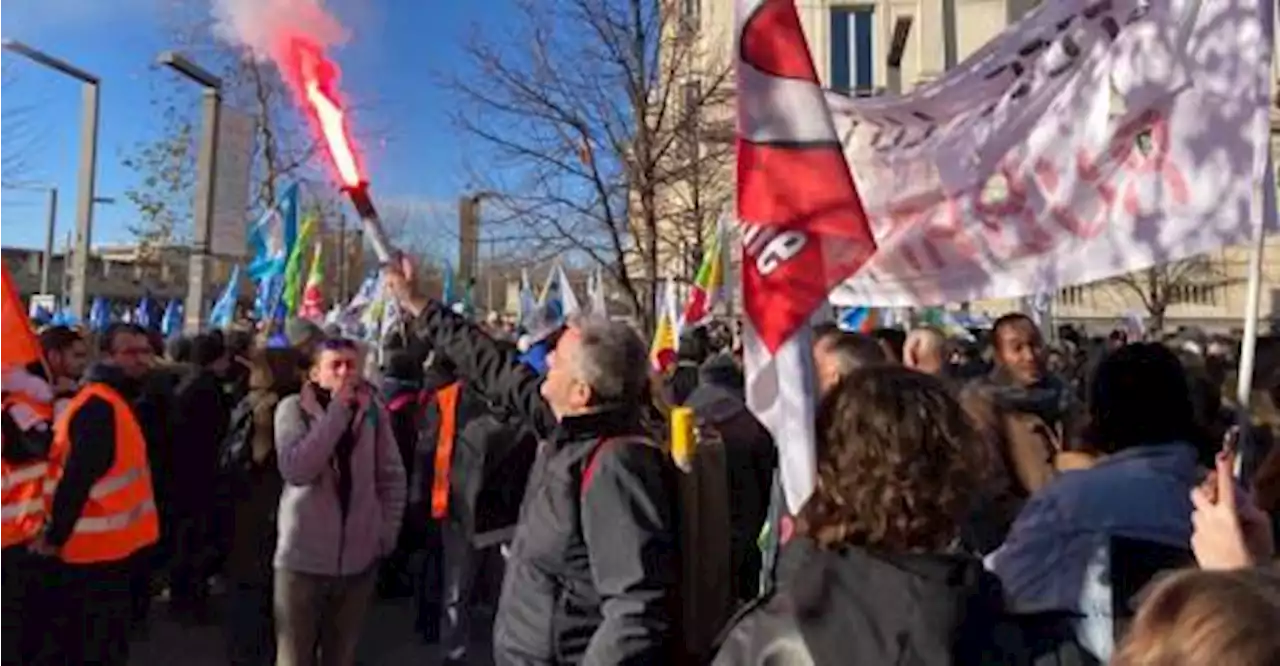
(315, 77)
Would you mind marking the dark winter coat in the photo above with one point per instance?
(592, 575)
(859, 607)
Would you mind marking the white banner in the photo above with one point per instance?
(1088, 140)
(231, 189)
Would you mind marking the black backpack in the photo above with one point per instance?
(235, 455)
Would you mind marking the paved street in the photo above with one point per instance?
(388, 639)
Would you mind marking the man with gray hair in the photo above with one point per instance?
(837, 353)
(593, 570)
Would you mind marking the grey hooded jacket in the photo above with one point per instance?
(314, 537)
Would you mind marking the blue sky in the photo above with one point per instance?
(396, 52)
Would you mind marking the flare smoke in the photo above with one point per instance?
(266, 28)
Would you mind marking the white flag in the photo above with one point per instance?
(1086, 141)
(567, 296)
(595, 292)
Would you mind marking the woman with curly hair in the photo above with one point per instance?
(883, 580)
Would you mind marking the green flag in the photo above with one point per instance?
(293, 270)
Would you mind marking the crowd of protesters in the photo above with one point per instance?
(1003, 502)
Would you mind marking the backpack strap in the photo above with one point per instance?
(593, 458)
(399, 402)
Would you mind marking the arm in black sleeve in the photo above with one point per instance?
(629, 524)
(25, 446)
(93, 452)
(485, 365)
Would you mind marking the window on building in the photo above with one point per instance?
(1073, 295)
(853, 48)
(1194, 294)
(690, 11)
(692, 103)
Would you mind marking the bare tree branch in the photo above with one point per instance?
(286, 148)
(20, 135)
(1168, 284)
(588, 129)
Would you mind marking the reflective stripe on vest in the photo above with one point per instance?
(115, 522)
(113, 484)
(23, 510)
(16, 510)
(119, 516)
(25, 474)
(22, 486)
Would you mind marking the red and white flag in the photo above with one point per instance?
(804, 227)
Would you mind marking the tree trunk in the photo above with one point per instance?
(1157, 312)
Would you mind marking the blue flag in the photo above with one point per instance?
(99, 315)
(145, 314)
(42, 316)
(64, 318)
(447, 296)
(224, 309)
(272, 237)
(171, 322)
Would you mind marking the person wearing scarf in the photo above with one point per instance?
(340, 510)
(1028, 414)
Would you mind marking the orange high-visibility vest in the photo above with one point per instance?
(119, 518)
(23, 485)
(447, 406)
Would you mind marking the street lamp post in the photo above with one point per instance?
(50, 231)
(206, 175)
(469, 235)
(87, 170)
(50, 227)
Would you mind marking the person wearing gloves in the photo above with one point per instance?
(340, 511)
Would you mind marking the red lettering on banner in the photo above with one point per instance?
(1123, 163)
(900, 218)
(1156, 162)
(1066, 216)
(943, 231)
(948, 230)
(1012, 214)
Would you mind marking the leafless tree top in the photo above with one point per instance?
(21, 136)
(586, 117)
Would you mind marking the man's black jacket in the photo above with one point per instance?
(197, 425)
(592, 575)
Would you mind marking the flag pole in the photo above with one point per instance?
(1252, 312)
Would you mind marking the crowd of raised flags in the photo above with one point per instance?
(282, 240)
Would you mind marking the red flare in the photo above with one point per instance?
(314, 77)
